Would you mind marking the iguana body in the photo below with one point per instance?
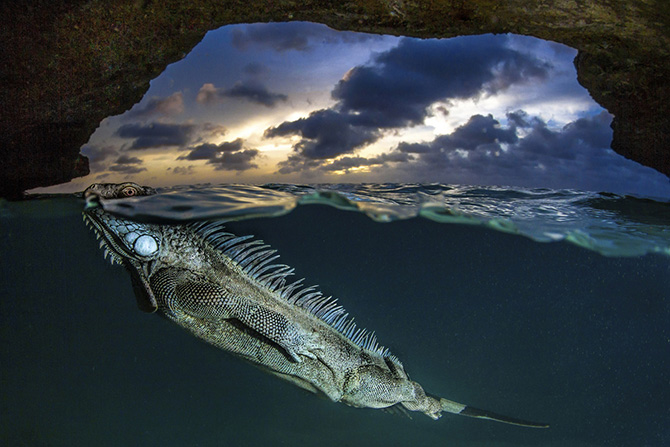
(227, 290)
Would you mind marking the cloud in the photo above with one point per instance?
(126, 160)
(126, 169)
(325, 134)
(525, 152)
(204, 151)
(297, 36)
(236, 161)
(479, 132)
(98, 155)
(213, 130)
(183, 170)
(127, 165)
(156, 134)
(251, 91)
(398, 89)
(254, 92)
(568, 157)
(99, 160)
(209, 151)
(298, 163)
(483, 151)
(230, 155)
(172, 105)
(207, 94)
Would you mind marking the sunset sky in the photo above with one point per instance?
(301, 103)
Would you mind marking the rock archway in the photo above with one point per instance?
(68, 65)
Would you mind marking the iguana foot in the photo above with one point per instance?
(307, 349)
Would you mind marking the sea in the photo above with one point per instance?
(545, 305)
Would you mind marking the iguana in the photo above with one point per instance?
(229, 291)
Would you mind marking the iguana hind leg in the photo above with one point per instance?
(377, 387)
(373, 386)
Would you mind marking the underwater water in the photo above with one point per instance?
(544, 305)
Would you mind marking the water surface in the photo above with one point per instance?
(478, 310)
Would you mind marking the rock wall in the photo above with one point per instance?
(65, 66)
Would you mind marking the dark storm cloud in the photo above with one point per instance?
(229, 155)
(126, 160)
(474, 145)
(254, 92)
(236, 161)
(127, 165)
(519, 118)
(298, 36)
(482, 147)
(480, 131)
(156, 134)
(325, 134)
(231, 146)
(204, 151)
(210, 151)
(172, 105)
(482, 151)
(251, 91)
(398, 88)
(298, 163)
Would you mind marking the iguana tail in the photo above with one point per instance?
(466, 410)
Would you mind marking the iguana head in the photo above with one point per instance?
(118, 190)
(134, 245)
(123, 239)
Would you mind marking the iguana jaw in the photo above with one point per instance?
(122, 239)
(109, 241)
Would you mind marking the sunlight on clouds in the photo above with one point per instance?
(557, 112)
(350, 171)
(273, 154)
(253, 127)
(271, 148)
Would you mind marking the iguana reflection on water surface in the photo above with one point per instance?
(228, 291)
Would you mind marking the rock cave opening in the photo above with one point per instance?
(301, 102)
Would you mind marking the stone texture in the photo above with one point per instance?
(65, 66)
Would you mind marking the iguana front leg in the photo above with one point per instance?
(200, 298)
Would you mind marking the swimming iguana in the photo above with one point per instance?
(228, 291)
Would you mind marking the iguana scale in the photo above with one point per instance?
(229, 291)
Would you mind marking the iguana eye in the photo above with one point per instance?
(129, 191)
(142, 245)
(145, 245)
